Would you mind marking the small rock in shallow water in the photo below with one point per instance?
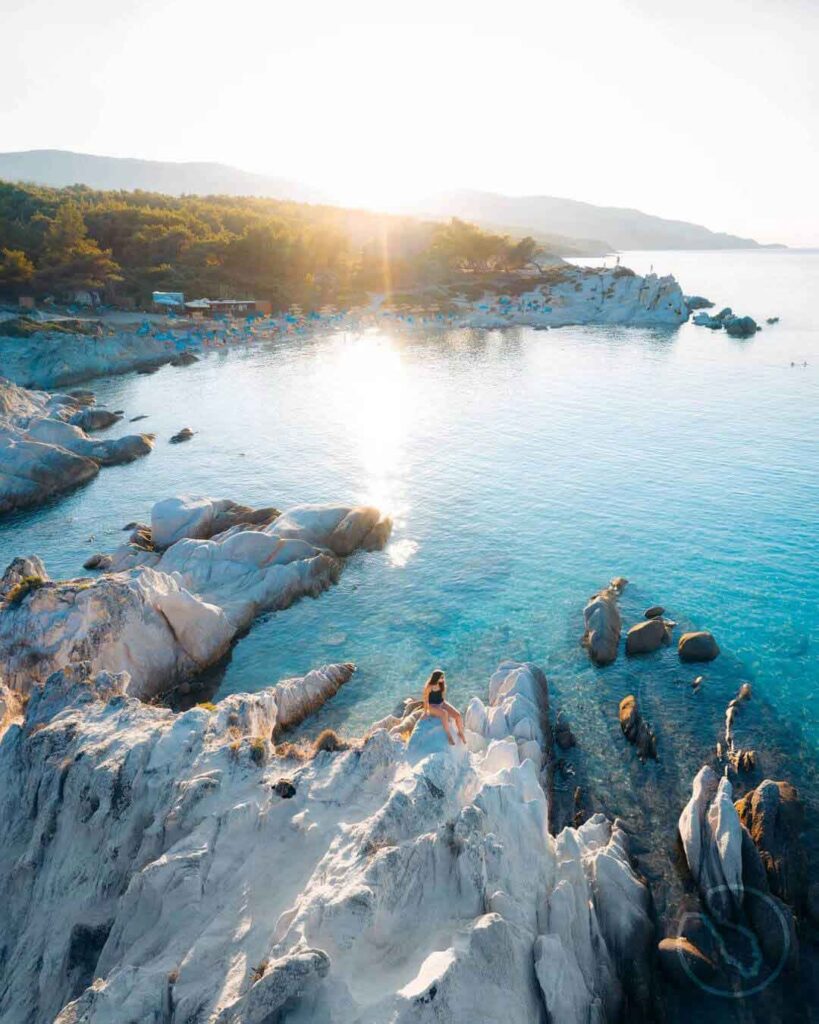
(654, 612)
(698, 646)
(142, 416)
(185, 434)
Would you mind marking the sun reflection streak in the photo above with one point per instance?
(374, 388)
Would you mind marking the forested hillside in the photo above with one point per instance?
(127, 244)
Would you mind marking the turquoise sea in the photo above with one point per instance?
(524, 470)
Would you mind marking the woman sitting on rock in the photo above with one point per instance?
(434, 704)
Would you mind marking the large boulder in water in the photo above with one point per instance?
(741, 326)
(698, 646)
(603, 625)
(645, 637)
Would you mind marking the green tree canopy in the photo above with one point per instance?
(16, 271)
(71, 261)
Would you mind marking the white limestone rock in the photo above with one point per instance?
(42, 454)
(151, 870)
(178, 612)
(711, 835)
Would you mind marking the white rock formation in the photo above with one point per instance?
(42, 454)
(711, 835)
(178, 613)
(161, 867)
(583, 296)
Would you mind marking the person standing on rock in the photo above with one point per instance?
(436, 706)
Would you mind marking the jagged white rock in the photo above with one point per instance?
(583, 296)
(711, 835)
(150, 870)
(42, 453)
(166, 622)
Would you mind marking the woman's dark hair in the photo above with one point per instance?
(437, 678)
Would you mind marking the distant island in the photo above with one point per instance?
(563, 226)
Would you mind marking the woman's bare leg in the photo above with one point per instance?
(438, 712)
(455, 715)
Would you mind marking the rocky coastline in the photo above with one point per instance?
(560, 296)
(207, 865)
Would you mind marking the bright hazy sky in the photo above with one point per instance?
(704, 110)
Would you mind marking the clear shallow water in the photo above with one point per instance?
(524, 469)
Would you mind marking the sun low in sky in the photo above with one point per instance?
(704, 111)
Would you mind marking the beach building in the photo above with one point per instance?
(226, 307)
(166, 301)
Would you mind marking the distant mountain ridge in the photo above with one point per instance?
(546, 215)
(59, 167)
(567, 226)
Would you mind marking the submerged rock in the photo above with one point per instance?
(185, 434)
(636, 729)
(698, 646)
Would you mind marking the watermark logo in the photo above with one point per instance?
(743, 967)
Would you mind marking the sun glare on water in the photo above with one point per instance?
(373, 386)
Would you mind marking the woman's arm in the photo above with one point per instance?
(425, 699)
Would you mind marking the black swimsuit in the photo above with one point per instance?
(436, 697)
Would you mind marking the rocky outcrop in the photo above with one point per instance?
(603, 624)
(636, 729)
(201, 518)
(773, 815)
(580, 295)
(698, 646)
(178, 611)
(736, 326)
(50, 359)
(711, 836)
(153, 868)
(43, 450)
(732, 880)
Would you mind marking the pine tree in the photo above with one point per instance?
(71, 260)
